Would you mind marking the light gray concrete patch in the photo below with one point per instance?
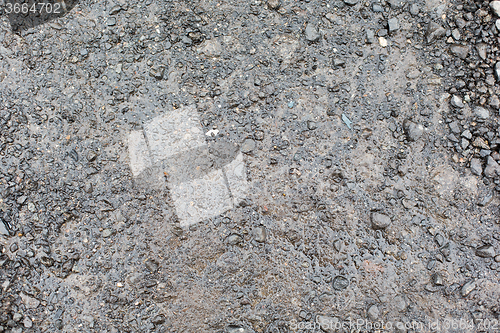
(237, 179)
(138, 153)
(204, 180)
(201, 198)
(174, 132)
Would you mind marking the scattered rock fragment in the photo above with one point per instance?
(434, 32)
(460, 51)
(158, 320)
(312, 33)
(3, 229)
(457, 102)
(492, 168)
(393, 25)
(340, 283)
(29, 302)
(412, 130)
(370, 36)
(495, 7)
(485, 251)
(107, 232)
(377, 8)
(248, 146)
(234, 239)
(327, 323)
(414, 9)
(274, 4)
(481, 113)
(476, 167)
(260, 234)
(468, 288)
(380, 221)
(373, 312)
(481, 50)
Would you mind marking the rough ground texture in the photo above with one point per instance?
(370, 133)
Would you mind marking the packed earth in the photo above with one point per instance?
(250, 166)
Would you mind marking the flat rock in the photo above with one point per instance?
(3, 229)
(107, 232)
(396, 4)
(481, 50)
(29, 302)
(460, 51)
(481, 113)
(377, 8)
(247, 146)
(373, 312)
(485, 251)
(327, 323)
(497, 70)
(260, 234)
(414, 9)
(492, 168)
(380, 221)
(370, 36)
(351, 2)
(476, 167)
(393, 25)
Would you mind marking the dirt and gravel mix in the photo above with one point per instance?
(251, 166)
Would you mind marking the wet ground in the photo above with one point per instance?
(280, 166)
